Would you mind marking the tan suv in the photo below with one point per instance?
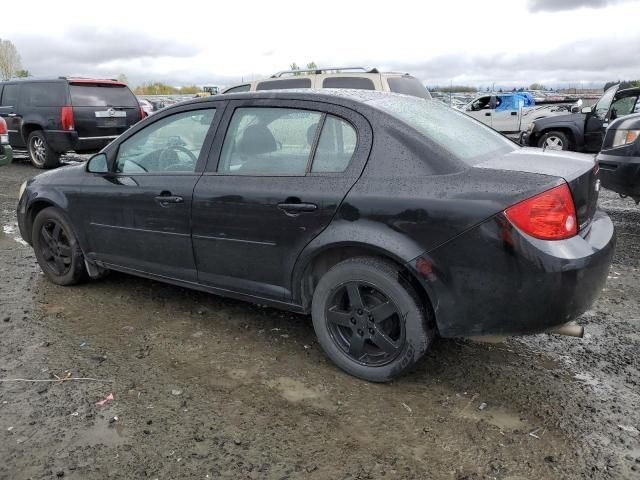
(349, 77)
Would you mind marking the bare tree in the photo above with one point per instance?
(9, 60)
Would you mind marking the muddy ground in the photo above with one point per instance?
(206, 387)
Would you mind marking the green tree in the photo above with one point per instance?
(536, 86)
(155, 88)
(189, 89)
(122, 78)
(22, 73)
(294, 67)
(312, 66)
(9, 60)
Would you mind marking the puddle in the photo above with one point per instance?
(498, 417)
(99, 434)
(11, 230)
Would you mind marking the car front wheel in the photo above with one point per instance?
(41, 154)
(56, 248)
(554, 141)
(369, 320)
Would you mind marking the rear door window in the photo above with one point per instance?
(360, 83)
(102, 95)
(44, 94)
(269, 141)
(623, 106)
(408, 86)
(336, 145)
(284, 84)
(10, 95)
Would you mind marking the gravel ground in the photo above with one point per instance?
(206, 387)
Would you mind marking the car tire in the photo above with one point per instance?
(56, 248)
(40, 152)
(554, 140)
(369, 320)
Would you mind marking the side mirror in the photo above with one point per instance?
(98, 164)
(586, 110)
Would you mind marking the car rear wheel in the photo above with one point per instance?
(57, 249)
(41, 154)
(554, 141)
(369, 320)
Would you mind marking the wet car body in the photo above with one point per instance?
(619, 160)
(404, 197)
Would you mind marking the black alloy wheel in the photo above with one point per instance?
(55, 247)
(365, 324)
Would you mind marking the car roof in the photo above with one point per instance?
(628, 91)
(339, 96)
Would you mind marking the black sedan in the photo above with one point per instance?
(389, 218)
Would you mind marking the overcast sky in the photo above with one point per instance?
(509, 42)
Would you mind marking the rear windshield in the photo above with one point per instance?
(408, 86)
(467, 139)
(102, 96)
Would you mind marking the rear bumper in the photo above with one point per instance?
(496, 280)
(6, 154)
(63, 141)
(620, 174)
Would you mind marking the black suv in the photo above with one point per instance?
(53, 116)
(582, 130)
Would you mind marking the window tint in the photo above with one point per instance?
(171, 144)
(408, 86)
(335, 147)
(44, 94)
(92, 95)
(282, 84)
(466, 139)
(241, 88)
(10, 95)
(269, 141)
(348, 82)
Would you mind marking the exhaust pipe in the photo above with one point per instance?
(568, 329)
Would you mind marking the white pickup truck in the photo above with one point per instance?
(511, 113)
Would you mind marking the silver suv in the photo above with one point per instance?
(348, 77)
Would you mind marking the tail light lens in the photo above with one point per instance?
(4, 133)
(143, 114)
(550, 215)
(66, 118)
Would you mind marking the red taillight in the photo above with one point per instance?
(550, 215)
(143, 114)
(66, 118)
(3, 127)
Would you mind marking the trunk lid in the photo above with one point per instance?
(103, 108)
(580, 171)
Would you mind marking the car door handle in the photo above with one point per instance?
(488, 114)
(297, 207)
(166, 200)
(12, 115)
(514, 113)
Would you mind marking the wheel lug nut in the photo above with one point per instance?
(371, 331)
(359, 311)
(360, 332)
(353, 321)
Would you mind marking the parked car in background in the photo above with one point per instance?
(583, 131)
(352, 78)
(146, 106)
(389, 218)
(6, 153)
(619, 158)
(509, 113)
(49, 117)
